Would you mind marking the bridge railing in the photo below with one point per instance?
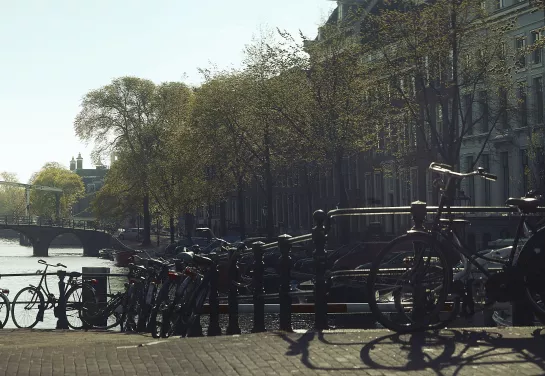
(48, 222)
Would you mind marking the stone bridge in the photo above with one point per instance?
(41, 234)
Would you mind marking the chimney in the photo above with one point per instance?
(79, 162)
(72, 164)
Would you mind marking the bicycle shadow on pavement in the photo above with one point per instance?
(449, 351)
(445, 352)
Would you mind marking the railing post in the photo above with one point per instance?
(285, 299)
(319, 237)
(60, 309)
(259, 301)
(214, 328)
(418, 212)
(232, 327)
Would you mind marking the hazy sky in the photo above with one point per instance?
(52, 52)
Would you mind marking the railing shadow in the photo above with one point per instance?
(446, 352)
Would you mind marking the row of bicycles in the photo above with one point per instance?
(161, 297)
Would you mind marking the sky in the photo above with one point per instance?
(53, 52)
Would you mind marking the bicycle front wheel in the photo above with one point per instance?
(4, 310)
(79, 300)
(27, 308)
(408, 283)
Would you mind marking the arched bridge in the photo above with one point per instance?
(41, 233)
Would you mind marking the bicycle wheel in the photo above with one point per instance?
(130, 318)
(27, 308)
(105, 317)
(199, 300)
(531, 264)
(412, 304)
(4, 310)
(79, 299)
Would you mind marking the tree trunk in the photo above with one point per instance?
(147, 222)
(240, 209)
(269, 186)
(343, 222)
(308, 183)
(223, 219)
(171, 223)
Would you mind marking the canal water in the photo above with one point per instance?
(15, 258)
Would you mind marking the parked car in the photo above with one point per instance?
(131, 234)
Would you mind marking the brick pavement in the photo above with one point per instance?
(505, 351)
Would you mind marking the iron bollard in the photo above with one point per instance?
(100, 287)
(60, 309)
(259, 301)
(233, 327)
(319, 237)
(214, 328)
(418, 212)
(285, 299)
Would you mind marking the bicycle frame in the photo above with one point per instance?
(470, 257)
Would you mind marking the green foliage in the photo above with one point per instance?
(52, 174)
(12, 199)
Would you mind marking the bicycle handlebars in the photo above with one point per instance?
(58, 265)
(447, 170)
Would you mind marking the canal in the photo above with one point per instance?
(15, 258)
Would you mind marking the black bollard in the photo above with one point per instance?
(232, 327)
(214, 328)
(100, 275)
(257, 281)
(285, 299)
(418, 212)
(60, 309)
(319, 237)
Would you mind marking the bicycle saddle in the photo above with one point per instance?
(190, 257)
(525, 204)
(458, 221)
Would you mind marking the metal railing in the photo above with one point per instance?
(46, 222)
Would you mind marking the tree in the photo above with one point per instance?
(12, 199)
(443, 71)
(219, 114)
(52, 174)
(123, 116)
(318, 87)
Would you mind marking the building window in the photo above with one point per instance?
(368, 189)
(470, 180)
(439, 121)
(414, 183)
(486, 183)
(504, 164)
(525, 172)
(504, 120)
(537, 53)
(538, 98)
(378, 188)
(468, 114)
(483, 109)
(520, 46)
(522, 104)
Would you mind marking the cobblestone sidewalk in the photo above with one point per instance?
(506, 351)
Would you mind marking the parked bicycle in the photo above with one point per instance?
(419, 291)
(4, 307)
(30, 303)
